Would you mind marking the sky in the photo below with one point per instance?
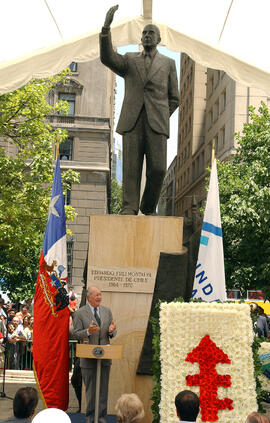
(172, 141)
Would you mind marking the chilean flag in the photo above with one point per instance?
(51, 312)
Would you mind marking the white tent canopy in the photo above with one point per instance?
(42, 37)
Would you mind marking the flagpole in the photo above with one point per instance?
(57, 146)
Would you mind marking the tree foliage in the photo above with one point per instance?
(26, 165)
(244, 185)
(116, 197)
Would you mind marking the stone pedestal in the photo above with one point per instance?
(123, 258)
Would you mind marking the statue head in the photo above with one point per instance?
(150, 37)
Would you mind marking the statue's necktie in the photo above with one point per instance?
(97, 317)
(147, 62)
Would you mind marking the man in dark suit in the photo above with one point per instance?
(94, 323)
(187, 405)
(151, 96)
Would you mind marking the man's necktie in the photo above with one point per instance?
(97, 317)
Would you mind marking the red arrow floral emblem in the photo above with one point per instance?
(208, 355)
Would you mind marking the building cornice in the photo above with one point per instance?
(82, 166)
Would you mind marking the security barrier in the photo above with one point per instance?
(19, 355)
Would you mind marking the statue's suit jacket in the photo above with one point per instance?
(81, 321)
(157, 90)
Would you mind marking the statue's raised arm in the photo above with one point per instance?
(109, 16)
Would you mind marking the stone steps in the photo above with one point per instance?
(18, 376)
(23, 377)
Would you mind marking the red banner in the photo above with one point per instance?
(50, 345)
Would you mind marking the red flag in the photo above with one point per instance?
(51, 312)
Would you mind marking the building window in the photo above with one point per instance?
(211, 85)
(210, 118)
(193, 172)
(69, 260)
(73, 66)
(70, 98)
(66, 149)
(222, 137)
(209, 153)
(216, 110)
(215, 142)
(202, 162)
(223, 100)
(218, 77)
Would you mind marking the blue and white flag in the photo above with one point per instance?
(209, 280)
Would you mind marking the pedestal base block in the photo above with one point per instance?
(123, 258)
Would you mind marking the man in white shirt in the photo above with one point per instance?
(18, 329)
(187, 405)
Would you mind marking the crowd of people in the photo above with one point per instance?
(16, 331)
(129, 409)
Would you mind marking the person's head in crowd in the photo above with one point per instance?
(187, 406)
(15, 321)
(25, 321)
(11, 313)
(24, 310)
(2, 317)
(51, 415)
(25, 402)
(11, 328)
(31, 321)
(257, 418)
(129, 409)
(28, 302)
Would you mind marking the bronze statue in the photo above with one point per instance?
(151, 96)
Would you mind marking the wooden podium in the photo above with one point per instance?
(99, 352)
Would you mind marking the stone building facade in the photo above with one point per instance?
(213, 108)
(90, 93)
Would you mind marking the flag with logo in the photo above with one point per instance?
(209, 280)
(51, 312)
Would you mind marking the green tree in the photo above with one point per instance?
(26, 168)
(244, 186)
(116, 197)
